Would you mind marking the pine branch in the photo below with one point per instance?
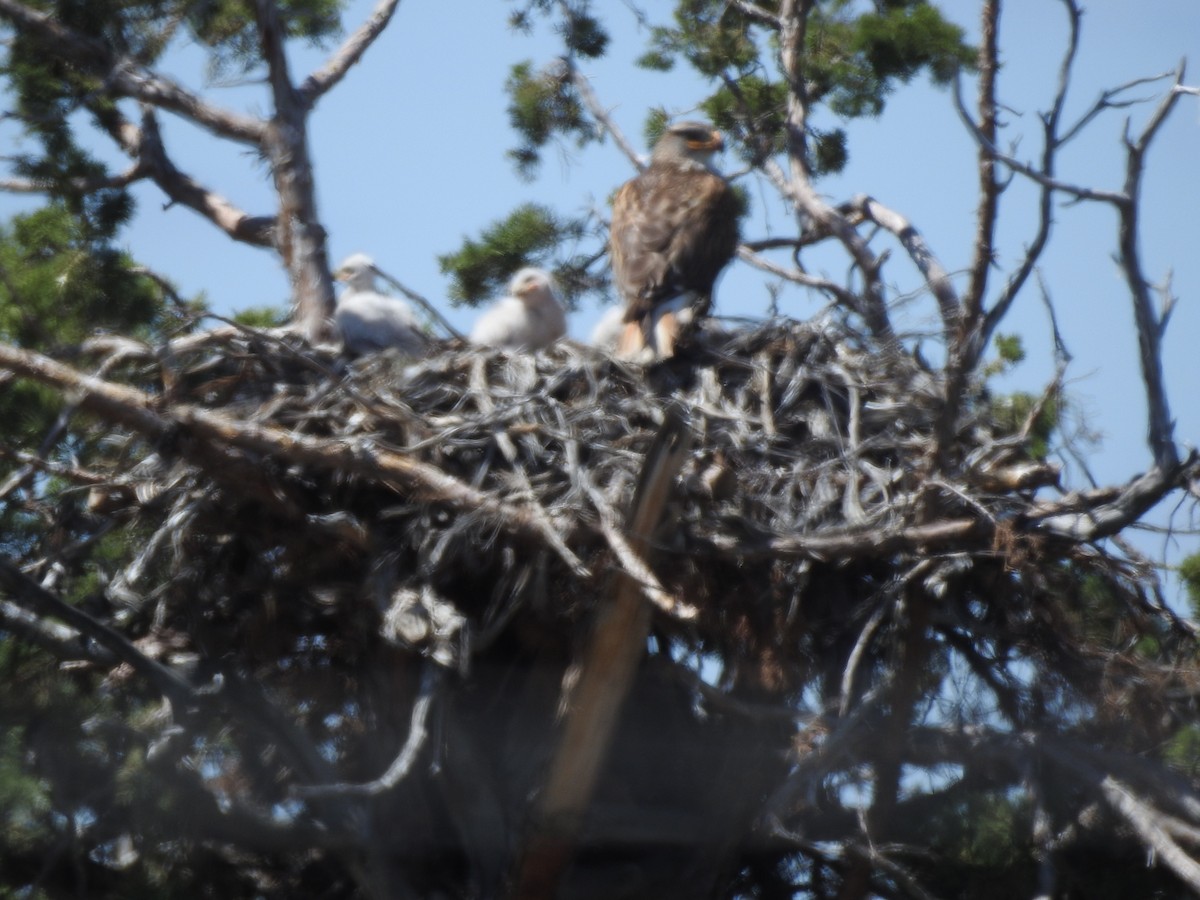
(127, 78)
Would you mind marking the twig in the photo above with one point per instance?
(423, 303)
(631, 562)
(431, 678)
(600, 114)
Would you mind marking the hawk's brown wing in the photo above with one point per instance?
(673, 229)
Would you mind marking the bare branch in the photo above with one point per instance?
(1109, 516)
(930, 268)
(1149, 328)
(600, 114)
(147, 145)
(28, 594)
(321, 81)
(846, 298)
(425, 304)
(635, 568)
(989, 188)
(402, 765)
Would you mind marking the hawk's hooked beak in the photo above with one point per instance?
(714, 144)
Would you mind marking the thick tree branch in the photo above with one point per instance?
(299, 235)
(239, 225)
(217, 432)
(989, 187)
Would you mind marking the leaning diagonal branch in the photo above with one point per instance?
(600, 114)
(148, 147)
(321, 81)
(213, 431)
(27, 593)
(935, 275)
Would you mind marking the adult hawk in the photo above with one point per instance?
(674, 227)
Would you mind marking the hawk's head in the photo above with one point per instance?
(532, 285)
(696, 142)
(358, 271)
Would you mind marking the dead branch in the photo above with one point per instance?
(431, 678)
(600, 114)
(317, 84)
(606, 673)
(936, 277)
(31, 596)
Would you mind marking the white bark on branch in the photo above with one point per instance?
(146, 144)
(935, 275)
(793, 16)
(1150, 826)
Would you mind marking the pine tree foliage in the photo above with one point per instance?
(98, 63)
(852, 60)
(797, 613)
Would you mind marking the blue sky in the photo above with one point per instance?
(409, 154)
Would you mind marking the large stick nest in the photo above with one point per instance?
(330, 528)
(810, 458)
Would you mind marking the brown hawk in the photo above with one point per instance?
(674, 227)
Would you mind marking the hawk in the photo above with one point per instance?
(529, 319)
(674, 227)
(369, 320)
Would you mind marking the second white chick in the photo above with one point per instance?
(529, 319)
(369, 320)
